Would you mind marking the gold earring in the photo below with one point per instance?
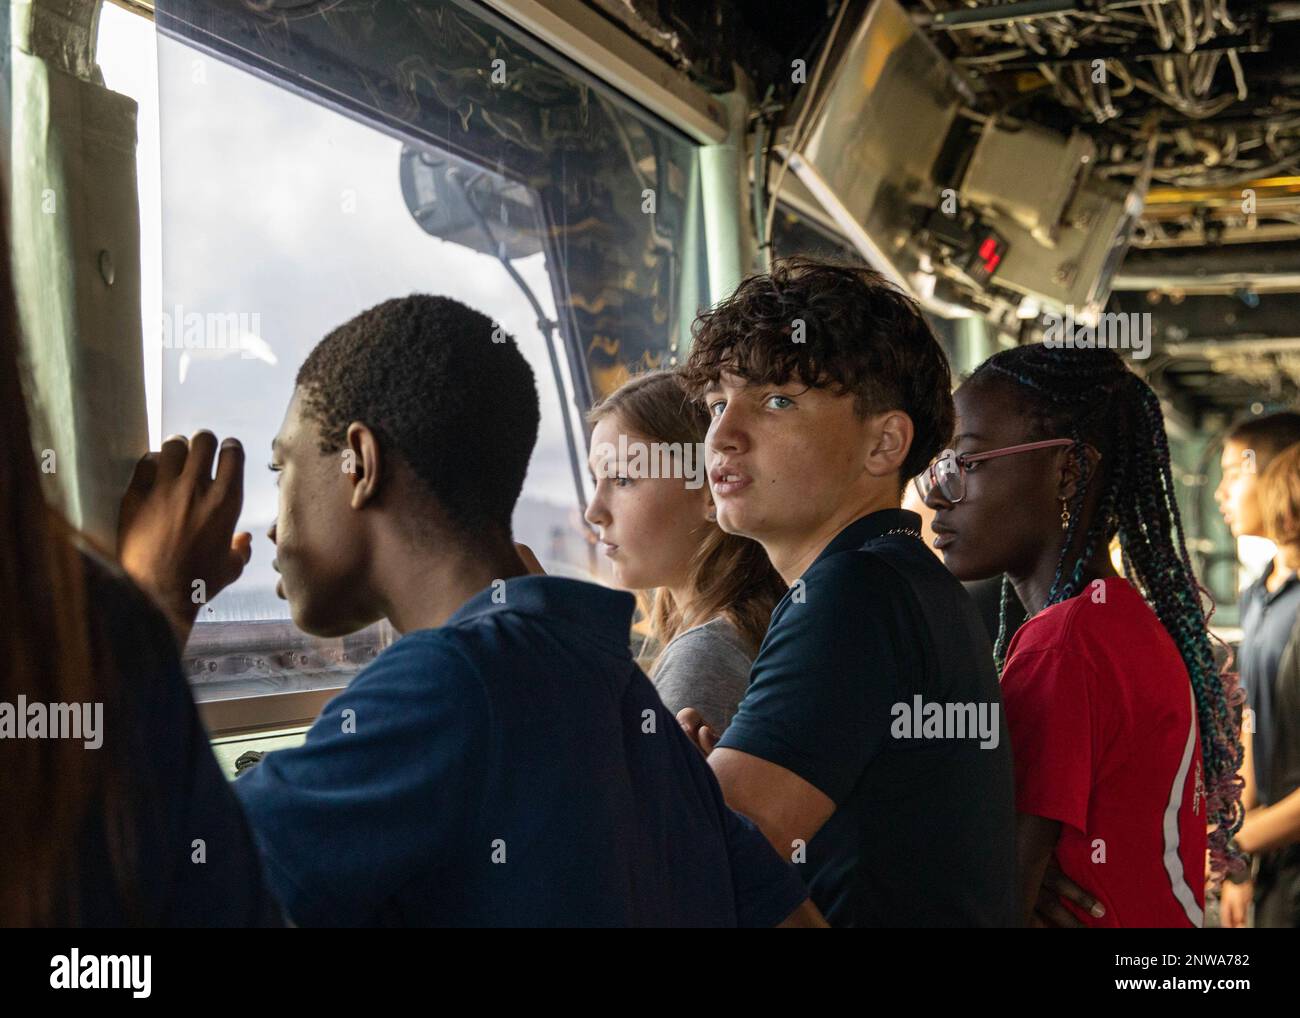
(1065, 516)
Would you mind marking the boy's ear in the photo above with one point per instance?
(890, 441)
(363, 462)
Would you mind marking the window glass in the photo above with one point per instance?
(281, 217)
(794, 233)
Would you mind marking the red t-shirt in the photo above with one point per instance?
(1103, 731)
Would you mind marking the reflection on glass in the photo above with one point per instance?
(282, 218)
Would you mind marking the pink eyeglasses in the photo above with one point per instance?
(948, 471)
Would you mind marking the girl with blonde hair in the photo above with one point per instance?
(708, 595)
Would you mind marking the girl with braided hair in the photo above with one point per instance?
(1123, 730)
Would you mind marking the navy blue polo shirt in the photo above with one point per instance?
(1266, 623)
(513, 767)
(872, 636)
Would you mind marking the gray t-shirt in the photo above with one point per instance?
(705, 667)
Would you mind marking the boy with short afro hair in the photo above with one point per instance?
(505, 762)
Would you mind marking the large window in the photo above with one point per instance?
(562, 213)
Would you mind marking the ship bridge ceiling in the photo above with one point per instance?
(1194, 102)
(1192, 106)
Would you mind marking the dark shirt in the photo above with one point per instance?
(513, 767)
(923, 832)
(1266, 621)
(190, 859)
(1277, 884)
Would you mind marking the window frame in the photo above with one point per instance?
(274, 710)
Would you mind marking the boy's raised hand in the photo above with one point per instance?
(175, 534)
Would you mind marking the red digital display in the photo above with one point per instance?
(989, 254)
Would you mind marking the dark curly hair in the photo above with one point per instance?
(442, 384)
(860, 334)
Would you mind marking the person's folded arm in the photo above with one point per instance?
(818, 708)
(1249, 797)
(1270, 827)
(786, 808)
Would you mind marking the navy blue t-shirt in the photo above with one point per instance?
(1267, 619)
(513, 767)
(189, 859)
(873, 634)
